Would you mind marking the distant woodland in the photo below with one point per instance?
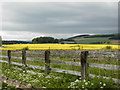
(80, 39)
(48, 40)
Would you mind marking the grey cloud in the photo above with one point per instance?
(60, 17)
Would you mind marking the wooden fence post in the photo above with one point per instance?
(47, 62)
(24, 59)
(9, 57)
(84, 65)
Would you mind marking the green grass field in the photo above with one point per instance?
(92, 40)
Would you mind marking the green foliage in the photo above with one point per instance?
(48, 40)
(95, 83)
(7, 86)
(25, 48)
(57, 80)
(14, 42)
(44, 40)
(116, 36)
(108, 47)
(54, 80)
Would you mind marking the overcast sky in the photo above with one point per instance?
(25, 21)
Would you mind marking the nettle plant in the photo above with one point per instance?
(92, 83)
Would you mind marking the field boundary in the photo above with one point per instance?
(82, 63)
(102, 66)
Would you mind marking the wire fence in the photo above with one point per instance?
(100, 63)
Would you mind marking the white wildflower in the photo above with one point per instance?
(29, 85)
(77, 80)
(35, 80)
(40, 75)
(98, 76)
(100, 82)
(104, 77)
(68, 86)
(76, 87)
(86, 83)
(24, 71)
(72, 83)
(17, 86)
(101, 87)
(92, 84)
(83, 87)
(58, 78)
(104, 84)
(84, 80)
(5, 81)
(48, 76)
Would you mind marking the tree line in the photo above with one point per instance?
(14, 42)
(48, 40)
(37, 40)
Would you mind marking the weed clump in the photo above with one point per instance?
(25, 48)
(108, 47)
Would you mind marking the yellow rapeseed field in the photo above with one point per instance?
(57, 46)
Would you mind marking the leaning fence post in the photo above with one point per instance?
(47, 62)
(84, 64)
(24, 59)
(9, 57)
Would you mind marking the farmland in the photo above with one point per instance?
(92, 40)
(97, 39)
(64, 64)
(57, 46)
(63, 70)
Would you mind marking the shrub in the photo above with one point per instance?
(25, 48)
(108, 47)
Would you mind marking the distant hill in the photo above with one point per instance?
(97, 39)
(80, 39)
(78, 36)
